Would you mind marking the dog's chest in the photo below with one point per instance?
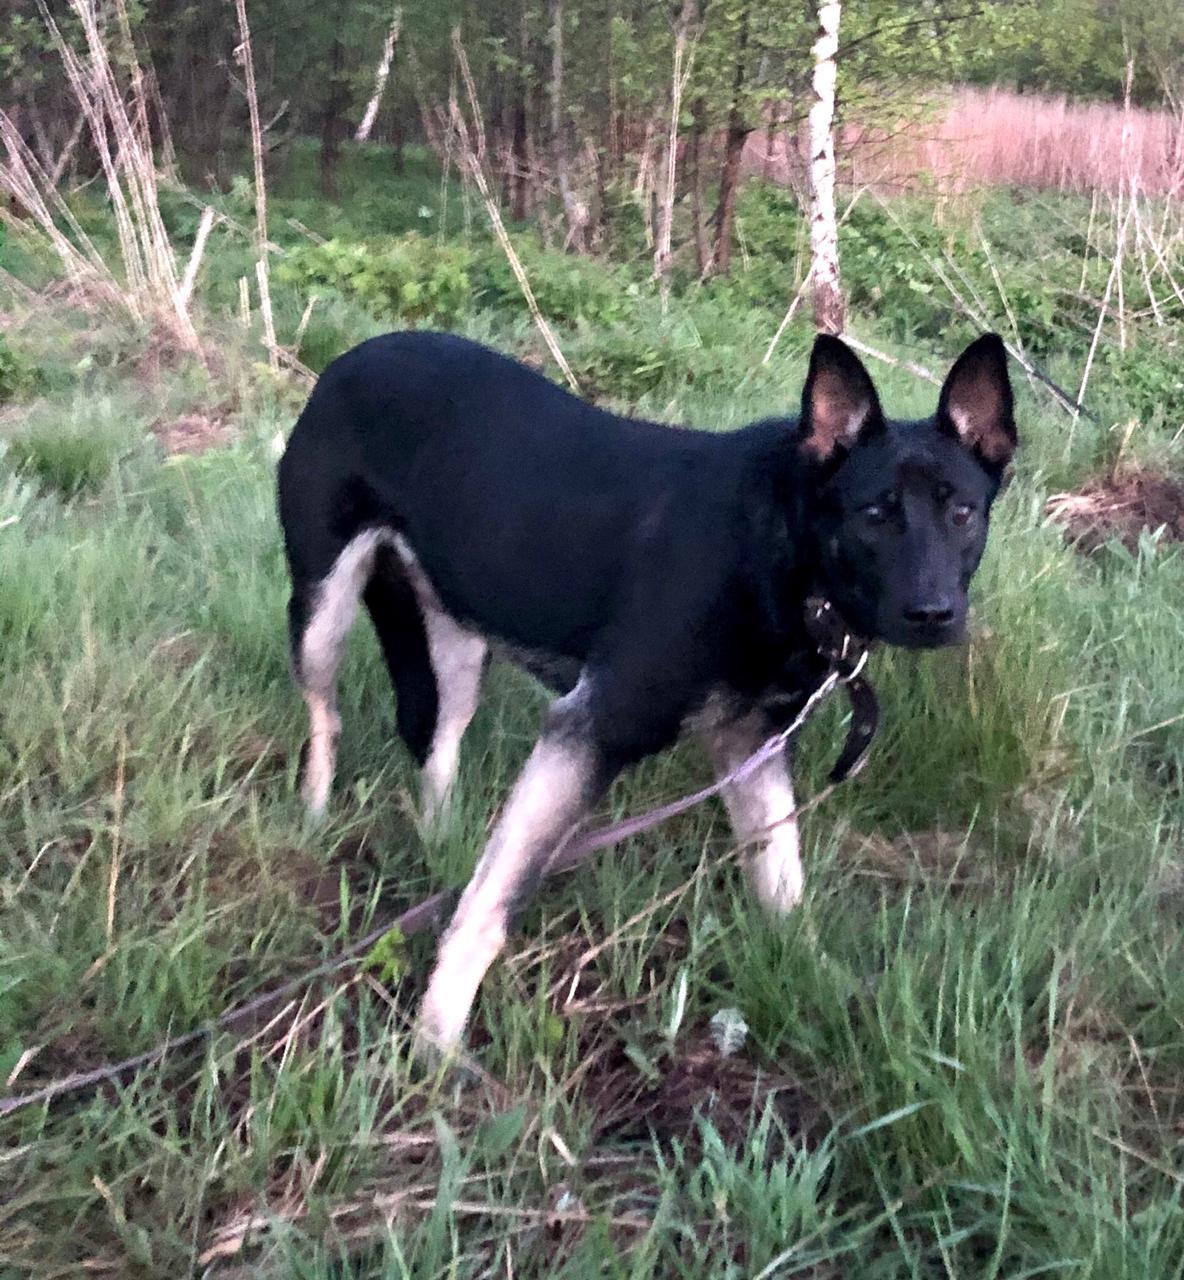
(777, 703)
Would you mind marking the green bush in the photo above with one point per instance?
(772, 236)
(407, 277)
(413, 279)
(77, 451)
(17, 376)
(566, 287)
(893, 266)
(1149, 377)
(620, 365)
(886, 273)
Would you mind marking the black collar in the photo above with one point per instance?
(846, 655)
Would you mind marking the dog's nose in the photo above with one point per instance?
(930, 614)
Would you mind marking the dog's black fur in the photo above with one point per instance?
(666, 566)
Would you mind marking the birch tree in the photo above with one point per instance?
(824, 236)
(574, 209)
(380, 78)
(678, 83)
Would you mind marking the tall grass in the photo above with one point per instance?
(996, 137)
(110, 93)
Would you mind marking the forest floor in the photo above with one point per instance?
(965, 1049)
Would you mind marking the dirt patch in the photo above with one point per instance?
(939, 859)
(191, 433)
(1120, 507)
(696, 1082)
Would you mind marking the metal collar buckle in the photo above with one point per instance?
(847, 657)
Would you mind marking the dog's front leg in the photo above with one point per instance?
(563, 777)
(761, 808)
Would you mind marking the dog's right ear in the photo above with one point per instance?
(976, 405)
(839, 403)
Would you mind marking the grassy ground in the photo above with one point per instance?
(965, 1049)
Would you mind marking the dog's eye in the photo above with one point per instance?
(874, 513)
(962, 513)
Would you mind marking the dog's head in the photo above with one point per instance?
(900, 509)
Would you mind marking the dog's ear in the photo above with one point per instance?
(976, 403)
(839, 403)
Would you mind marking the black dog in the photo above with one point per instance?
(654, 576)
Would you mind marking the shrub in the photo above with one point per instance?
(17, 376)
(567, 288)
(620, 365)
(75, 452)
(1148, 377)
(408, 277)
(414, 279)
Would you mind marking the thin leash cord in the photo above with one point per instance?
(580, 846)
(423, 914)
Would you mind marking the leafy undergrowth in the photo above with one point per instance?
(962, 1055)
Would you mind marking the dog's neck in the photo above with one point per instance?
(830, 633)
(779, 558)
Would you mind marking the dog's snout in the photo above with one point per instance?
(931, 615)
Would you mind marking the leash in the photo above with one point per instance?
(846, 659)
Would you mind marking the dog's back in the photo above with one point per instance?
(518, 500)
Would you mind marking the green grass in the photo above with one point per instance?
(975, 1019)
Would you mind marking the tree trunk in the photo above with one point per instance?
(702, 248)
(519, 177)
(600, 232)
(333, 120)
(536, 116)
(737, 135)
(574, 210)
(678, 79)
(381, 76)
(824, 234)
(398, 142)
(606, 159)
(771, 140)
(725, 213)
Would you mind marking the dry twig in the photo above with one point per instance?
(472, 155)
(261, 266)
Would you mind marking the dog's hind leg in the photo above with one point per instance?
(320, 616)
(761, 808)
(394, 608)
(435, 665)
(458, 663)
(448, 658)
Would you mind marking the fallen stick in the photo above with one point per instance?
(917, 370)
(1063, 397)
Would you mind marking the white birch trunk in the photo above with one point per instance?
(678, 82)
(824, 235)
(574, 209)
(380, 78)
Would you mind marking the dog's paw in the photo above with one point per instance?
(435, 1061)
(777, 880)
(438, 1036)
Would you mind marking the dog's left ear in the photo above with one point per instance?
(839, 403)
(976, 403)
